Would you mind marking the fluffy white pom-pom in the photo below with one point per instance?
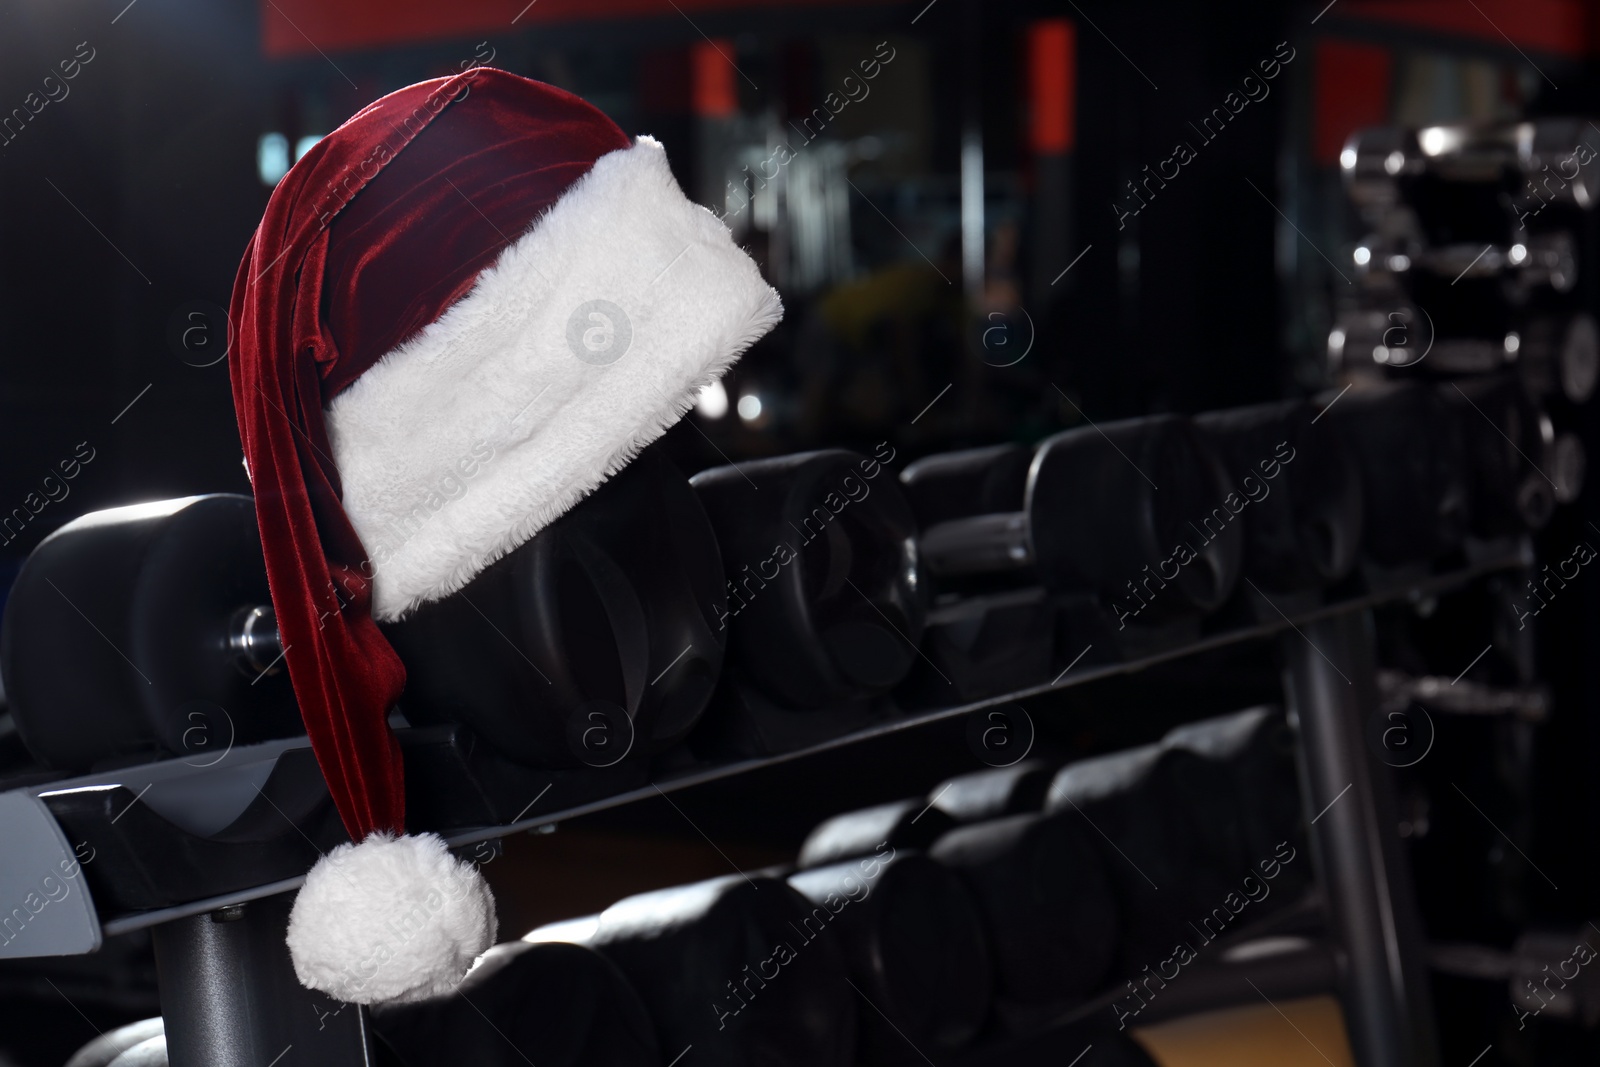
(389, 919)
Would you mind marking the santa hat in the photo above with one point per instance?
(463, 310)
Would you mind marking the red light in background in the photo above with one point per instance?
(1052, 86)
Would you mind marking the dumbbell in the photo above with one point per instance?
(823, 601)
(592, 641)
(149, 1053)
(1517, 468)
(1246, 757)
(913, 940)
(1104, 509)
(1437, 274)
(551, 1003)
(1411, 450)
(1158, 850)
(1464, 172)
(899, 824)
(585, 643)
(1559, 355)
(104, 1050)
(1047, 905)
(995, 792)
(738, 968)
(1301, 493)
(130, 632)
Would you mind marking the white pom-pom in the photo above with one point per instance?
(392, 919)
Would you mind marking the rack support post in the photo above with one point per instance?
(1362, 868)
(229, 996)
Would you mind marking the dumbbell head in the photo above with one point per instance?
(1505, 433)
(1376, 163)
(977, 481)
(914, 941)
(108, 1046)
(1106, 502)
(1047, 905)
(151, 1052)
(738, 967)
(124, 616)
(1303, 519)
(1254, 749)
(899, 824)
(1560, 354)
(592, 642)
(823, 597)
(1411, 450)
(560, 1005)
(1558, 149)
(995, 792)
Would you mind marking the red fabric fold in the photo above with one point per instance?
(370, 237)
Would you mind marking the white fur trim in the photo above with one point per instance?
(465, 441)
(392, 919)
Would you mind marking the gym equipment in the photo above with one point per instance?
(824, 601)
(1246, 758)
(914, 943)
(552, 1003)
(613, 647)
(1547, 973)
(1457, 175)
(1299, 489)
(1151, 813)
(150, 1053)
(1512, 489)
(586, 644)
(899, 824)
(1104, 509)
(736, 967)
(108, 1046)
(994, 793)
(128, 633)
(1559, 355)
(959, 485)
(1410, 446)
(1047, 905)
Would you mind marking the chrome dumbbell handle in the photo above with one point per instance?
(254, 642)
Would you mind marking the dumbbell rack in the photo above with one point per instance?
(208, 867)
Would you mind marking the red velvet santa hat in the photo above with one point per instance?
(463, 310)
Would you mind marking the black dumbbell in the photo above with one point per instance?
(738, 968)
(1249, 757)
(594, 640)
(974, 481)
(555, 1004)
(587, 643)
(995, 792)
(1047, 906)
(1559, 355)
(1470, 175)
(899, 824)
(1299, 488)
(104, 1050)
(130, 632)
(1106, 509)
(1162, 873)
(914, 942)
(1509, 442)
(823, 597)
(149, 1053)
(1113, 506)
(1411, 450)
